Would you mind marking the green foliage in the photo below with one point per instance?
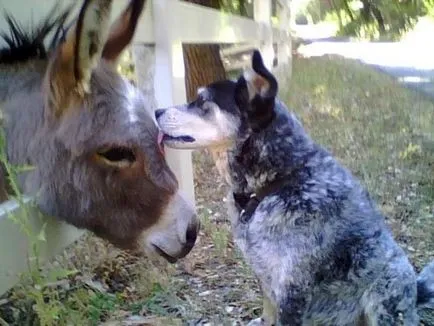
(429, 5)
(237, 7)
(101, 304)
(381, 19)
(35, 283)
(411, 151)
(315, 10)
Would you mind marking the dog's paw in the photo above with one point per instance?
(259, 322)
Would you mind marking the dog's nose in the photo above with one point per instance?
(159, 113)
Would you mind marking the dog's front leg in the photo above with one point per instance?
(269, 313)
(292, 306)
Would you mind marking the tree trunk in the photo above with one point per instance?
(369, 10)
(366, 11)
(332, 5)
(348, 10)
(380, 20)
(203, 64)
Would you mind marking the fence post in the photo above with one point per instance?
(169, 84)
(262, 14)
(284, 44)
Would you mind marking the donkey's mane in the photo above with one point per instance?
(23, 44)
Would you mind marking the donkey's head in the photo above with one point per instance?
(99, 163)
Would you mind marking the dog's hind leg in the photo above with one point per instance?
(269, 313)
(385, 318)
(392, 306)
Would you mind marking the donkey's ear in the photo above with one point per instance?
(71, 68)
(261, 90)
(122, 31)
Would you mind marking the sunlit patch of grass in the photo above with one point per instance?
(383, 133)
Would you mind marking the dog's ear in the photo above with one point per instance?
(242, 94)
(256, 92)
(260, 81)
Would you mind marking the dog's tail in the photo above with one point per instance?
(425, 287)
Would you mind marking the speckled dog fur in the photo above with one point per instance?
(319, 245)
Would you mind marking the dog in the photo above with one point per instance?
(310, 231)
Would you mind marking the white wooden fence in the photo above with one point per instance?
(164, 27)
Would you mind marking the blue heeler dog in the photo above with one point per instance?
(310, 231)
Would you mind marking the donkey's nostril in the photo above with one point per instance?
(190, 237)
(159, 113)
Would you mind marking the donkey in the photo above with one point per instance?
(90, 134)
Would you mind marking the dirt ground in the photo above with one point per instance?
(382, 132)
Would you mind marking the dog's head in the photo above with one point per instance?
(222, 110)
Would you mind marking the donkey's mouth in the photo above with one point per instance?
(169, 258)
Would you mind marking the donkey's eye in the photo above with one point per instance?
(118, 155)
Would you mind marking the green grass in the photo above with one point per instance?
(382, 132)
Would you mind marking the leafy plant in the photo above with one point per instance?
(387, 19)
(220, 237)
(238, 7)
(410, 151)
(34, 282)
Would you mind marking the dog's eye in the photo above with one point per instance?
(206, 107)
(197, 103)
(200, 101)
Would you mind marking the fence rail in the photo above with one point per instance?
(164, 26)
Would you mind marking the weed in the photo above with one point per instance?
(34, 282)
(410, 152)
(220, 238)
(206, 223)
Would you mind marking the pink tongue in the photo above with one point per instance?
(160, 142)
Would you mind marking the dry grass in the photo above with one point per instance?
(382, 132)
